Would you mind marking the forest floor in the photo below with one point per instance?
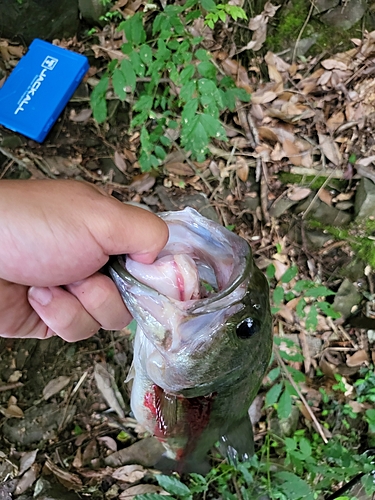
(296, 179)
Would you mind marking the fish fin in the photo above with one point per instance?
(238, 442)
(131, 374)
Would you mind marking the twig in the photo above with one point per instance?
(316, 196)
(302, 398)
(9, 387)
(302, 30)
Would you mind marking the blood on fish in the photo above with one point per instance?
(191, 417)
(149, 402)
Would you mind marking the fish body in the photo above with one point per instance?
(203, 340)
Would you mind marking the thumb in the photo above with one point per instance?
(126, 229)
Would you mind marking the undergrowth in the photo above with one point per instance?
(177, 95)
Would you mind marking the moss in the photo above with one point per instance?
(289, 21)
(358, 237)
(311, 181)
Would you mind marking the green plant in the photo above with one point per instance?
(222, 11)
(311, 296)
(175, 84)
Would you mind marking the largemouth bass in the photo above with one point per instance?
(203, 340)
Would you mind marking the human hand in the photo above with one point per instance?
(54, 238)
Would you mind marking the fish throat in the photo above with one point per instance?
(176, 415)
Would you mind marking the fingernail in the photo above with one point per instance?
(41, 295)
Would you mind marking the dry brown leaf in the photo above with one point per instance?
(14, 377)
(106, 385)
(267, 134)
(142, 182)
(262, 97)
(242, 168)
(179, 168)
(334, 64)
(27, 460)
(277, 153)
(358, 358)
(13, 411)
(292, 152)
(120, 162)
(325, 78)
(54, 386)
(129, 473)
(330, 149)
(238, 72)
(27, 480)
(325, 196)
(141, 489)
(299, 193)
(286, 313)
(67, 479)
(82, 116)
(356, 407)
(280, 268)
(335, 121)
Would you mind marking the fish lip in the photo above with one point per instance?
(196, 306)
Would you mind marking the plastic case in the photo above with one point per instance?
(39, 87)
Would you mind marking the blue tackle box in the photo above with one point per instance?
(39, 87)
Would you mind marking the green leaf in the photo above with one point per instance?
(98, 101)
(187, 74)
(328, 310)
(273, 394)
(284, 405)
(145, 53)
(173, 485)
(208, 5)
(297, 376)
(188, 90)
(289, 274)
(274, 374)
(278, 295)
(300, 309)
(207, 69)
(319, 291)
(150, 496)
(270, 271)
(202, 55)
(134, 31)
(312, 318)
(305, 447)
(160, 152)
(119, 83)
(137, 64)
(294, 487)
(129, 74)
(213, 127)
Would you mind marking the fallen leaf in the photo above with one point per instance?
(106, 384)
(179, 168)
(335, 120)
(129, 473)
(292, 152)
(54, 386)
(142, 182)
(67, 479)
(242, 168)
(27, 480)
(330, 149)
(108, 442)
(333, 64)
(14, 377)
(141, 489)
(27, 460)
(82, 116)
(260, 97)
(299, 193)
(358, 358)
(120, 162)
(325, 196)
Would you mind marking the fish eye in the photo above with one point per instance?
(247, 328)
